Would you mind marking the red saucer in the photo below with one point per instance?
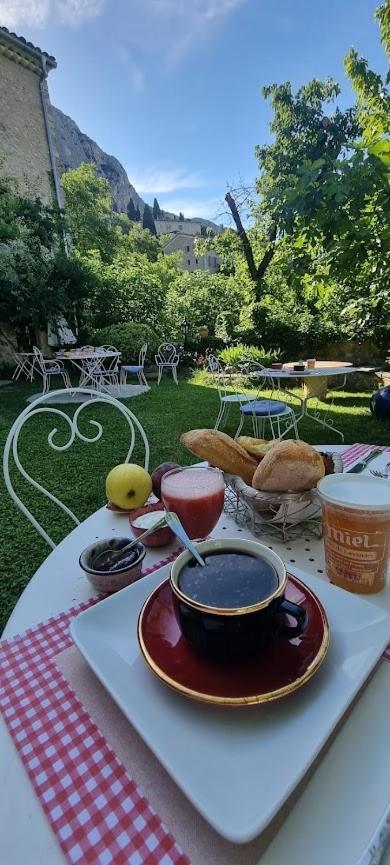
(287, 665)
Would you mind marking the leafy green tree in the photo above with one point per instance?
(88, 205)
(147, 220)
(38, 280)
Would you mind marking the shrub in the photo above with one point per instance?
(128, 339)
(237, 353)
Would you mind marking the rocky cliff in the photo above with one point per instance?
(75, 147)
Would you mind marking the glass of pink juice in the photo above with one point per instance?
(196, 495)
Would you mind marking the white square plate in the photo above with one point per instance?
(236, 766)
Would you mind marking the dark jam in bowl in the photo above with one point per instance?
(230, 580)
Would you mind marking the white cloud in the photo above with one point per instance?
(35, 13)
(74, 11)
(14, 12)
(157, 181)
(167, 30)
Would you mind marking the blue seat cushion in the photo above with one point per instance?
(132, 368)
(264, 407)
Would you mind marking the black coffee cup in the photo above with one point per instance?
(225, 634)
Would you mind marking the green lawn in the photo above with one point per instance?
(78, 475)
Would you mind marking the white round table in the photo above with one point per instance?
(335, 814)
(314, 383)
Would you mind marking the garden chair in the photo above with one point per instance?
(137, 369)
(278, 414)
(48, 368)
(221, 381)
(24, 364)
(105, 370)
(71, 426)
(85, 364)
(167, 357)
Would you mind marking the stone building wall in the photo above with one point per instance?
(24, 151)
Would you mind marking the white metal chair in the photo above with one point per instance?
(167, 357)
(226, 397)
(48, 368)
(72, 423)
(103, 369)
(25, 362)
(262, 410)
(137, 369)
(85, 364)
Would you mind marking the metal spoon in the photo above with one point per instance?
(107, 558)
(174, 523)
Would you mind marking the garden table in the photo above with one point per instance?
(77, 357)
(332, 817)
(315, 382)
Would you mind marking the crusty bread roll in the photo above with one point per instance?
(256, 447)
(290, 465)
(220, 450)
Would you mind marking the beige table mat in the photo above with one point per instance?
(197, 839)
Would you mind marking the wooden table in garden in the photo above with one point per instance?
(330, 818)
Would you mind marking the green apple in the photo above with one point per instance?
(128, 486)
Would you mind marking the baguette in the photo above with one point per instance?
(256, 447)
(220, 450)
(290, 466)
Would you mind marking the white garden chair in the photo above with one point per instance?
(72, 423)
(48, 368)
(137, 369)
(104, 370)
(226, 398)
(25, 362)
(262, 411)
(85, 364)
(167, 357)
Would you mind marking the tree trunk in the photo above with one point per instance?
(255, 273)
(247, 249)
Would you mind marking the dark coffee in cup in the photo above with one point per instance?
(232, 608)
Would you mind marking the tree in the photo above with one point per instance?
(88, 206)
(157, 212)
(148, 221)
(38, 280)
(131, 211)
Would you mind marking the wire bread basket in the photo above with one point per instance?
(286, 515)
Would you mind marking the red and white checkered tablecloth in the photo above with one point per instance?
(95, 809)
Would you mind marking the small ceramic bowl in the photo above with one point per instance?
(111, 581)
(161, 537)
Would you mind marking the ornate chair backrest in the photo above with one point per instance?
(250, 374)
(167, 353)
(39, 407)
(39, 359)
(213, 366)
(112, 362)
(142, 354)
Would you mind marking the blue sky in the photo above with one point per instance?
(172, 87)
